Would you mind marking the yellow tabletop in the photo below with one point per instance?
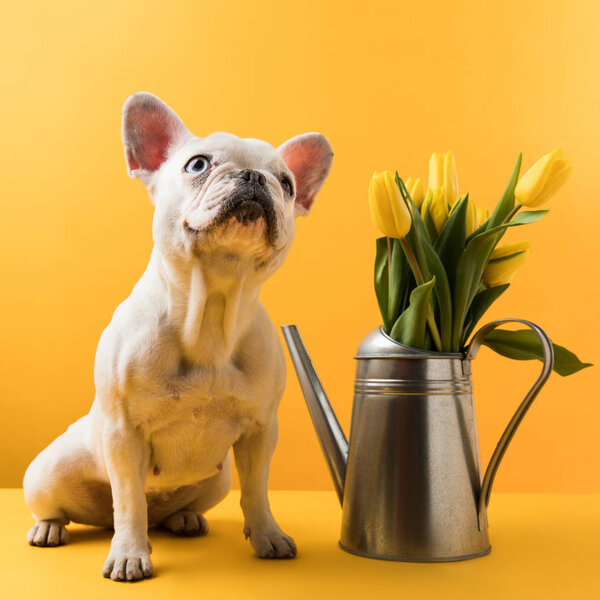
(543, 546)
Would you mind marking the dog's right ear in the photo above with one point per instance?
(150, 131)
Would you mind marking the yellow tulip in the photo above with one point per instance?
(476, 216)
(471, 217)
(438, 208)
(505, 260)
(442, 174)
(543, 179)
(436, 170)
(388, 209)
(482, 214)
(415, 189)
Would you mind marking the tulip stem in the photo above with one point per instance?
(414, 265)
(389, 249)
(513, 212)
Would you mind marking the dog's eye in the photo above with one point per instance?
(197, 164)
(286, 186)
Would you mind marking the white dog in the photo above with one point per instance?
(190, 364)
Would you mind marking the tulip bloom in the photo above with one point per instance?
(438, 208)
(388, 209)
(482, 214)
(442, 174)
(505, 260)
(471, 217)
(476, 216)
(415, 189)
(543, 179)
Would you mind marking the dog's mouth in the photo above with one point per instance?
(246, 211)
(247, 205)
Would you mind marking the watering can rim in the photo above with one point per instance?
(378, 344)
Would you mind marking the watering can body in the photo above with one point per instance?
(409, 479)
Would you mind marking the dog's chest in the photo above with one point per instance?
(190, 436)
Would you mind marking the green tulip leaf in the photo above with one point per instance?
(468, 279)
(381, 280)
(451, 241)
(391, 296)
(482, 301)
(442, 295)
(417, 234)
(507, 202)
(410, 326)
(431, 266)
(494, 261)
(522, 218)
(471, 265)
(398, 284)
(430, 226)
(524, 344)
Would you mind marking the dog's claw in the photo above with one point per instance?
(271, 544)
(128, 568)
(186, 523)
(48, 534)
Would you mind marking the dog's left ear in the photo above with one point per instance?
(150, 131)
(308, 157)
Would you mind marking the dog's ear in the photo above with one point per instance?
(308, 157)
(150, 131)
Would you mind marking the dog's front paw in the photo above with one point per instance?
(270, 542)
(125, 564)
(48, 533)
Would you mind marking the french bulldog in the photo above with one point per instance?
(190, 365)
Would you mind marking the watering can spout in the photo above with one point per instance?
(331, 436)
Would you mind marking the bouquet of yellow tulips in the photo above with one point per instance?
(439, 266)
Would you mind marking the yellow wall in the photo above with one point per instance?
(387, 83)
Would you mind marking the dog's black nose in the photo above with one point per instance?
(255, 176)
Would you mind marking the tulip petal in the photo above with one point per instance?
(438, 208)
(416, 190)
(381, 211)
(553, 184)
(436, 170)
(482, 214)
(510, 249)
(450, 179)
(529, 189)
(400, 212)
(426, 202)
(501, 270)
(471, 217)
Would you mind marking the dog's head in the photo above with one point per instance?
(220, 191)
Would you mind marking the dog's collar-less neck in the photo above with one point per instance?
(209, 316)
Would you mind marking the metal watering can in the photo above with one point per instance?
(410, 480)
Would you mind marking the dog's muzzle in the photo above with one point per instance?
(249, 202)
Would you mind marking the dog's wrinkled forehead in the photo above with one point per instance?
(242, 153)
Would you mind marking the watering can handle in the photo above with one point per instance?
(490, 473)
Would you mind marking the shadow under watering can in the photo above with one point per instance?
(409, 480)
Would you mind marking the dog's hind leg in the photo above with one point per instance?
(189, 521)
(56, 489)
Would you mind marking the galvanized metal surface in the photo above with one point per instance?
(410, 486)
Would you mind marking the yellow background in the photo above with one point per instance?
(387, 83)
